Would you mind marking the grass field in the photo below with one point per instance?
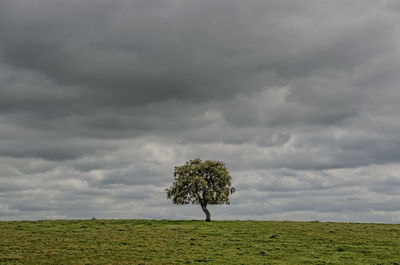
(197, 242)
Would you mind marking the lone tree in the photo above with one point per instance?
(201, 183)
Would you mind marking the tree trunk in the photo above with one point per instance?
(208, 215)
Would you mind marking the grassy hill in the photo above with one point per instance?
(197, 242)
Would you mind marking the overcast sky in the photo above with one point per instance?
(100, 99)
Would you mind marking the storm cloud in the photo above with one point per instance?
(99, 100)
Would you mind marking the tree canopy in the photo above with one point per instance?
(202, 183)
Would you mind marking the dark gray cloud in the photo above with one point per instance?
(99, 100)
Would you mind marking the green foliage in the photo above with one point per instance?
(201, 183)
(196, 242)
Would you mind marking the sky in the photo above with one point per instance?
(99, 100)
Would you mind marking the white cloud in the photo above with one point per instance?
(99, 101)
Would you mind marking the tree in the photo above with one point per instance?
(203, 183)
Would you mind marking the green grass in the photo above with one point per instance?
(197, 242)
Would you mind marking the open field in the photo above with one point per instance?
(197, 242)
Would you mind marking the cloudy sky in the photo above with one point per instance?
(100, 99)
